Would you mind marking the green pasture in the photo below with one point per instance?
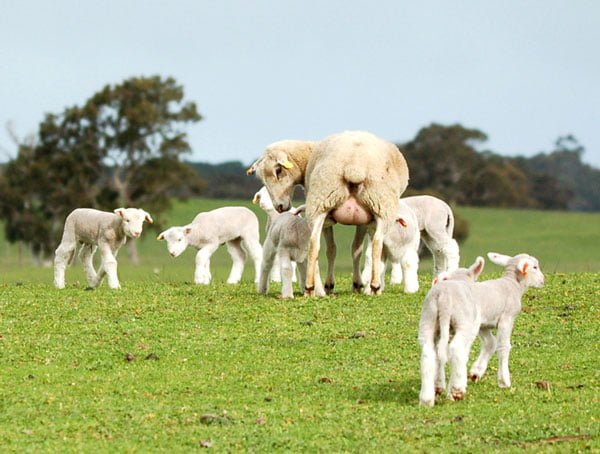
(164, 365)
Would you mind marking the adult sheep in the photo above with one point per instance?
(353, 178)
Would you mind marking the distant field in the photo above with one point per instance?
(563, 241)
(167, 366)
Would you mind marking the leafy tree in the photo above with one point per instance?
(122, 147)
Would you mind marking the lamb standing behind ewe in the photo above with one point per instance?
(436, 223)
(97, 229)
(353, 177)
(449, 304)
(400, 247)
(237, 227)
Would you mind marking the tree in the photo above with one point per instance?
(122, 147)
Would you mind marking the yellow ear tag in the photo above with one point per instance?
(287, 164)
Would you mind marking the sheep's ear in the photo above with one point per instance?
(522, 266)
(476, 268)
(256, 198)
(499, 259)
(250, 170)
(285, 163)
(402, 222)
(160, 237)
(148, 218)
(443, 276)
(120, 212)
(187, 230)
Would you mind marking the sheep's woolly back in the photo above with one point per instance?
(359, 164)
(88, 225)
(223, 224)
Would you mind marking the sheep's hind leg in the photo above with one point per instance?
(286, 274)
(358, 278)
(313, 254)
(238, 256)
(63, 256)
(428, 374)
(331, 252)
(377, 250)
(87, 259)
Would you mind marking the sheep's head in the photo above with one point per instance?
(281, 169)
(263, 199)
(176, 238)
(133, 220)
(526, 268)
(470, 274)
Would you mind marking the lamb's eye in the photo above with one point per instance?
(278, 171)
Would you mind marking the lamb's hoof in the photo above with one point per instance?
(503, 384)
(329, 288)
(357, 288)
(309, 291)
(375, 290)
(439, 391)
(89, 289)
(457, 394)
(475, 377)
(426, 402)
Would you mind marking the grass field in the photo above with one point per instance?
(167, 366)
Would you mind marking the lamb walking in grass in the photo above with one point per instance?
(237, 227)
(93, 229)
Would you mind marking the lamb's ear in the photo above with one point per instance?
(476, 268)
(250, 170)
(120, 212)
(523, 264)
(402, 222)
(285, 162)
(161, 236)
(256, 198)
(498, 259)
(443, 276)
(187, 230)
(148, 218)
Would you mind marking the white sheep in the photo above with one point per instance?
(237, 227)
(449, 305)
(353, 178)
(400, 248)
(263, 199)
(436, 224)
(287, 240)
(97, 229)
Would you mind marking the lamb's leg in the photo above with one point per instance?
(488, 347)
(377, 245)
(268, 261)
(331, 253)
(358, 278)
(458, 355)
(396, 275)
(254, 249)
(238, 257)
(87, 258)
(428, 368)
(63, 256)
(452, 253)
(410, 268)
(108, 267)
(286, 274)
(313, 254)
(294, 268)
(202, 274)
(505, 326)
(302, 270)
(366, 272)
(276, 271)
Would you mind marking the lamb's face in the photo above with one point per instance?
(277, 174)
(176, 238)
(133, 220)
(530, 272)
(263, 199)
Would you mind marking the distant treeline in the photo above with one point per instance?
(444, 161)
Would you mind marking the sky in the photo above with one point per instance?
(523, 72)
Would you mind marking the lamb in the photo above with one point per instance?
(436, 223)
(263, 199)
(97, 229)
(237, 227)
(449, 305)
(400, 247)
(287, 240)
(353, 178)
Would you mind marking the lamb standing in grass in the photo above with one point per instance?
(263, 199)
(353, 178)
(97, 229)
(449, 305)
(400, 248)
(237, 227)
(436, 223)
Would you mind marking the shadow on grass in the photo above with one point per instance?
(404, 393)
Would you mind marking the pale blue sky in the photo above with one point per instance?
(524, 72)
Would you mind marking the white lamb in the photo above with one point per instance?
(263, 199)
(436, 223)
(400, 248)
(97, 229)
(353, 178)
(449, 305)
(237, 227)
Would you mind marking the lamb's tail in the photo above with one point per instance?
(450, 224)
(355, 173)
(442, 346)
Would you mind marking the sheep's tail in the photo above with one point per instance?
(442, 347)
(355, 174)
